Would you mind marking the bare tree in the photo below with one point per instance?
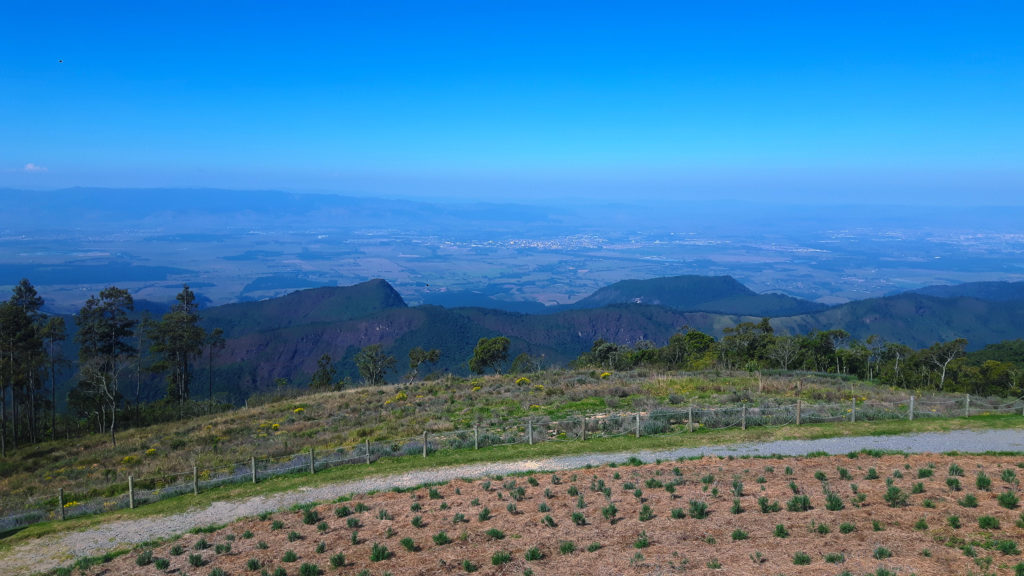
(102, 376)
(784, 350)
(942, 354)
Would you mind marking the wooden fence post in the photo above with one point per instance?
(853, 410)
(312, 460)
(131, 492)
(637, 424)
(529, 431)
(584, 426)
(798, 412)
(367, 450)
(967, 407)
(195, 479)
(252, 468)
(689, 419)
(476, 437)
(743, 419)
(911, 413)
(424, 443)
(60, 502)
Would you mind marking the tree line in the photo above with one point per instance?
(754, 346)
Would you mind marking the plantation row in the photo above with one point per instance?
(136, 491)
(862, 512)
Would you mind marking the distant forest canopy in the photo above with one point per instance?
(127, 367)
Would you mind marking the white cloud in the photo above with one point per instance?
(30, 167)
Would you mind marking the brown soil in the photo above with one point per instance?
(677, 545)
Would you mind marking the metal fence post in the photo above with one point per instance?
(195, 479)
(60, 502)
(911, 414)
(252, 468)
(131, 492)
(967, 406)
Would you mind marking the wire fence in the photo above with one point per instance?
(531, 430)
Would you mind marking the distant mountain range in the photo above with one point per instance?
(284, 337)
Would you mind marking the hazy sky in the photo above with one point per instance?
(807, 101)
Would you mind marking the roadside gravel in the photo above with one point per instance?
(58, 549)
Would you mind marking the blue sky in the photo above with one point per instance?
(908, 102)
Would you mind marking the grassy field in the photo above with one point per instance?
(90, 467)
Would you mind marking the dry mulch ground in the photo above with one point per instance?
(918, 536)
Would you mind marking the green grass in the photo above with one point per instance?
(389, 466)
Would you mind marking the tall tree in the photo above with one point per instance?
(105, 330)
(373, 364)
(176, 338)
(54, 332)
(418, 357)
(214, 341)
(489, 353)
(942, 354)
(325, 373)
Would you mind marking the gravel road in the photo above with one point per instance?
(58, 549)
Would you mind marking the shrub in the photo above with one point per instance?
(247, 534)
(953, 484)
(609, 512)
(543, 507)
(289, 556)
(955, 470)
(322, 527)
(484, 514)
(408, 544)
(736, 507)
(969, 501)
(801, 559)
(458, 518)
(441, 538)
(924, 473)
(1008, 476)
(1008, 547)
(872, 474)
(833, 502)
(895, 497)
(308, 569)
(293, 536)
(338, 560)
(846, 528)
(566, 547)
(417, 521)
(982, 481)
(877, 526)
(144, 559)
(767, 506)
(835, 558)
(820, 476)
(217, 572)
(917, 488)
(921, 524)
(500, 557)
(201, 544)
(738, 534)
(534, 554)
(379, 552)
(677, 514)
(549, 522)
(988, 523)
(953, 521)
(642, 541)
(799, 503)
(594, 547)
(310, 517)
(646, 513)
(881, 553)
(512, 508)
(698, 509)
(195, 560)
(780, 531)
(276, 525)
(254, 564)
(578, 519)
(469, 566)
(1008, 500)
(262, 545)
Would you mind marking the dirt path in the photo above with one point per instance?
(58, 549)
